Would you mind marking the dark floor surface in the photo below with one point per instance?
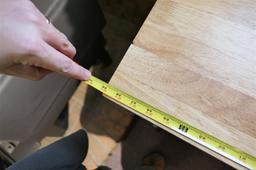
(144, 138)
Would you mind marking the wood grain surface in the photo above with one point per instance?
(197, 60)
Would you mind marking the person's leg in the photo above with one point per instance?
(65, 154)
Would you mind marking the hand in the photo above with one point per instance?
(31, 47)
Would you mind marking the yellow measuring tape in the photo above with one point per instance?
(175, 124)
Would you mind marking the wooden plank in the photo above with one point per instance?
(203, 41)
(241, 12)
(215, 42)
(205, 103)
(196, 60)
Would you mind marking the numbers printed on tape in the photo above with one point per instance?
(133, 104)
(175, 124)
(149, 111)
(222, 147)
(104, 88)
(118, 96)
(202, 138)
(183, 128)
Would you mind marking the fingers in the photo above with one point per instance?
(55, 61)
(27, 72)
(58, 40)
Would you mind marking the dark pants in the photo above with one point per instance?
(65, 154)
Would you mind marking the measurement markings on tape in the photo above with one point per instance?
(175, 124)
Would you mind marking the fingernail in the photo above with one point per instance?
(87, 74)
(67, 45)
(72, 48)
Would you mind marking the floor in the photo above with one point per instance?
(118, 139)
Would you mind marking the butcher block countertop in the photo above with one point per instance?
(196, 60)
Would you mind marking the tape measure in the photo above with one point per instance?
(174, 124)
